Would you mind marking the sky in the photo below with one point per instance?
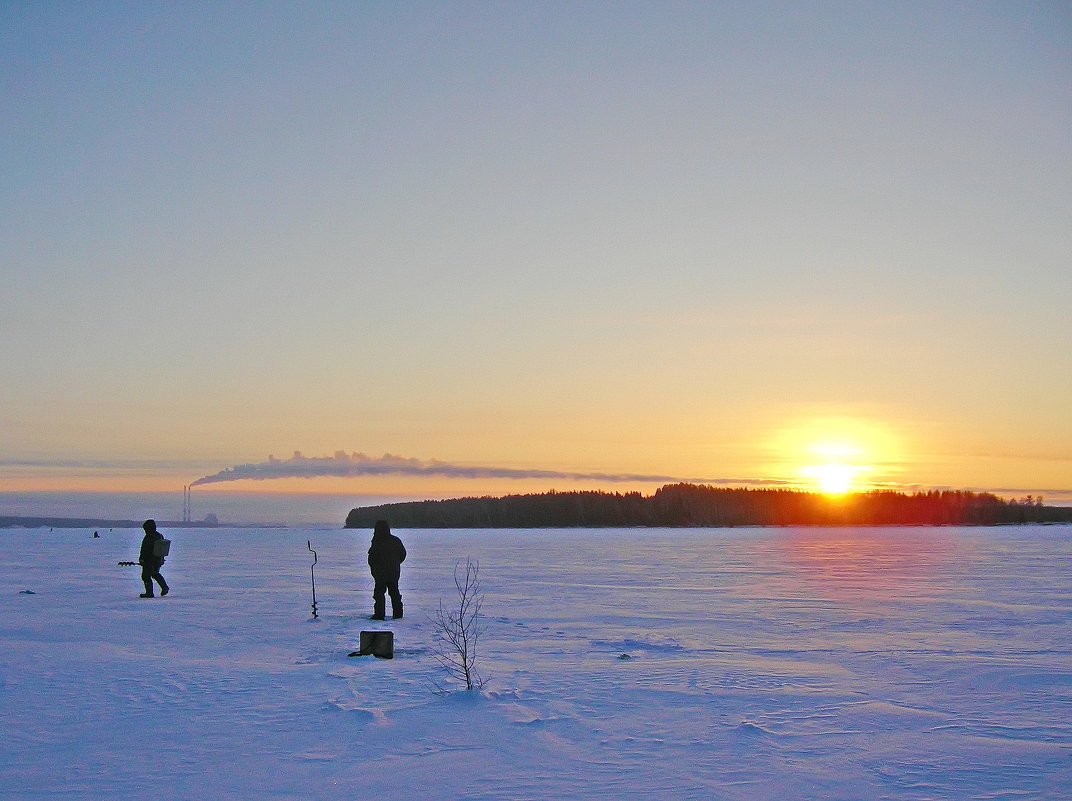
(453, 248)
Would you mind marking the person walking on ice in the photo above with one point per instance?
(151, 558)
(385, 558)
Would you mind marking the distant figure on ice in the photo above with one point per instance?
(385, 558)
(150, 562)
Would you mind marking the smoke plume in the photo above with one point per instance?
(358, 464)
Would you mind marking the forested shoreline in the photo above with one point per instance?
(692, 505)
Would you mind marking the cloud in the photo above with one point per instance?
(94, 464)
(102, 466)
(358, 464)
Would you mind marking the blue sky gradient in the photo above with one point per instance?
(677, 238)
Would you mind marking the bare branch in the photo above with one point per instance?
(458, 630)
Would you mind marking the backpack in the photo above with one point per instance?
(161, 548)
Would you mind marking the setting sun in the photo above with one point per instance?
(833, 479)
(839, 455)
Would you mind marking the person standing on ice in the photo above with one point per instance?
(150, 562)
(385, 558)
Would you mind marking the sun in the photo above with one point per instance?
(838, 467)
(837, 454)
(833, 479)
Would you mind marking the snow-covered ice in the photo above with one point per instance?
(901, 663)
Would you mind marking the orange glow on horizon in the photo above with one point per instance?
(833, 479)
(837, 455)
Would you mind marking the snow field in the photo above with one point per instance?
(677, 664)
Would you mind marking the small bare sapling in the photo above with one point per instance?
(458, 630)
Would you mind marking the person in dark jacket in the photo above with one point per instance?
(150, 562)
(385, 558)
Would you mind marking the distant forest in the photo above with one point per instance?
(680, 505)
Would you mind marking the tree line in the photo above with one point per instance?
(681, 505)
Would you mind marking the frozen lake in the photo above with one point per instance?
(901, 663)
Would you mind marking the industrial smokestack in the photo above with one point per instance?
(186, 504)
